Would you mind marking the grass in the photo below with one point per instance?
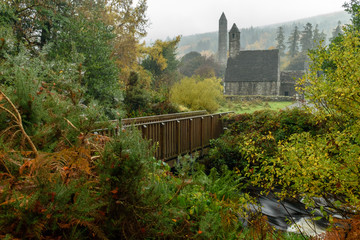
(251, 106)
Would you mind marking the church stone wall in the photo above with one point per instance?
(253, 73)
(288, 82)
(251, 88)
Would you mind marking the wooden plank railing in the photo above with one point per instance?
(157, 118)
(182, 136)
(179, 136)
(131, 121)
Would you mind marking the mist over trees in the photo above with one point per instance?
(253, 38)
(280, 38)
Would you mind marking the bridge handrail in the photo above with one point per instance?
(177, 119)
(179, 136)
(159, 118)
(162, 121)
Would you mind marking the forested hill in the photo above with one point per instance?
(262, 37)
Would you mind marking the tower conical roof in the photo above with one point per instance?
(223, 17)
(234, 29)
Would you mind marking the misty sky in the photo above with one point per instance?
(169, 18)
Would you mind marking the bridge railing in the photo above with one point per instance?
(163, 117)
(155, 118)
(179, 136)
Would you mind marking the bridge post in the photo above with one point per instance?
(143, 131)
(190, 135)
(211, 126)
(202, 135)
(178, 137)
(162, 137)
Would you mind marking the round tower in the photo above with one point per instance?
(234, 41)
(222, 47)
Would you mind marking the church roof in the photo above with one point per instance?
(253, 66)
(234, 29)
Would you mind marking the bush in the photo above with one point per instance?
(198, 94)
(48, 97)
(252, 138)
(114, 192)
(316, 166)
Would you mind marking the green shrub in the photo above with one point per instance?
(315, 166)
(49, 99)
(196, 93)
(251, 138)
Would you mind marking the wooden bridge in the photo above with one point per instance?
(176, 134)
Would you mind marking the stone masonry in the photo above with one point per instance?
(255, 72)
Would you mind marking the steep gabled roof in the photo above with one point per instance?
(253, 66)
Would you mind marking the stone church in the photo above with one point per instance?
(255, 72)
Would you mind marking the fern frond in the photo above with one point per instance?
(94, 229)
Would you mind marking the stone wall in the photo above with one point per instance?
(253, 73)
(288, 82)
(261, 98)
(251, 88)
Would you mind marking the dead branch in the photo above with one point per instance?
(18, 121)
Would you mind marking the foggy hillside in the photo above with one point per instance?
(261, 37)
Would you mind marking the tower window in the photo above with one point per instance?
(233, 35)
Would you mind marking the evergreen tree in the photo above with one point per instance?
(136, 97)
(306, 39)
(162, 63)
(337, 31)
(293, 42)
(318, 36)
(280, 38)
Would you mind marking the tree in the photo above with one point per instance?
(37, 22)
(128, 21)
(337, 90)
(293, 42)
(306, 39)
(103, 35)
(194, 63)
(337, 31)
(318, 37)
(90, 37)
(161, 61)
(353, 7)
(280, 38)
(136, 97)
